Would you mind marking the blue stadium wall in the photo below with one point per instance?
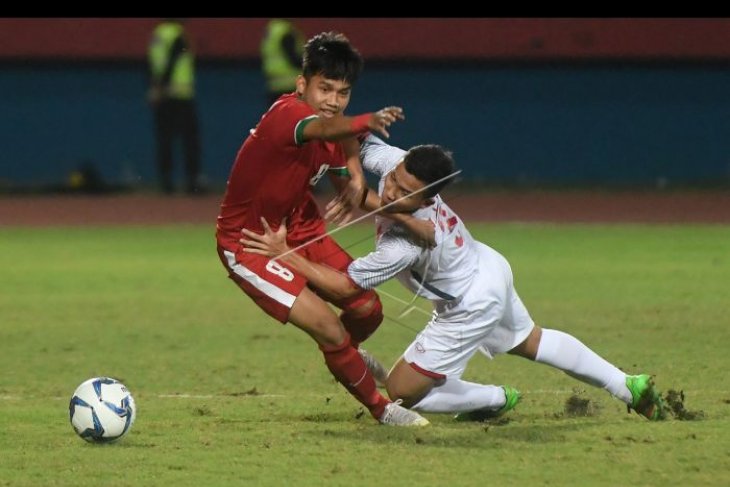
(623, 125)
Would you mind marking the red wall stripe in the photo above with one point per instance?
(495, 39)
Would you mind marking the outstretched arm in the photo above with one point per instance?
(338, 128)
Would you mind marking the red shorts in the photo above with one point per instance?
(273, 285)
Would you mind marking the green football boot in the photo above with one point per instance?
(645, 400)
(513, 397)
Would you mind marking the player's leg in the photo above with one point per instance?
(409, 384)
(380, 373)
(551, 347)
(316, 318)
(567, 353)
(283, 294)
(517, 334)
(443, 349)
(362, 314)
(428, 375)
(426, 391)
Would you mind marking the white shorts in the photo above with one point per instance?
(490, 318)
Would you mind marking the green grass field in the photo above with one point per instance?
(227, 396)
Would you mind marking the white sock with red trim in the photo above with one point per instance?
(456, 396)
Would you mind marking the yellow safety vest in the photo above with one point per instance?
(182, 79)
(280, 74)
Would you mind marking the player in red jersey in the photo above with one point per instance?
(299, 139)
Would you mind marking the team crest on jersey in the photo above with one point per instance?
(315, 179)
(452, 223)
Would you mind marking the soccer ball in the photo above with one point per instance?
(102, 410)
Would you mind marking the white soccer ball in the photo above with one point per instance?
(102, 410)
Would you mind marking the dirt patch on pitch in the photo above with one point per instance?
(578, 406)
(675, 405)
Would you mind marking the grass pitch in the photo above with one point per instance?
(227, 396)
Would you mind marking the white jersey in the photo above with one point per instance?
(443, 274)
(470, 284)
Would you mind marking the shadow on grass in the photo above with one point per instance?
(444, 432)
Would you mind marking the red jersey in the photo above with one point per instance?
(272, 176)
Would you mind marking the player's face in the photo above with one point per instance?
(399, 183)
(329, 97)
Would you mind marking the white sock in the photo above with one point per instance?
(570, 355)
(456, 396)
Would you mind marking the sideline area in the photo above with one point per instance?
(572, 206)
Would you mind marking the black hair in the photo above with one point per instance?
(430, 163)
(331, 55)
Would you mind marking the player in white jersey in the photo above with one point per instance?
(475, 305)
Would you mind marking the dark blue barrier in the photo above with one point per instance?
(572, 125)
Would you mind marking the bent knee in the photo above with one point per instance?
(365, 304)
(406, 384)
(529, 346)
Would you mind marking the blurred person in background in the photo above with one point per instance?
(281, 58)
(172, 97)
